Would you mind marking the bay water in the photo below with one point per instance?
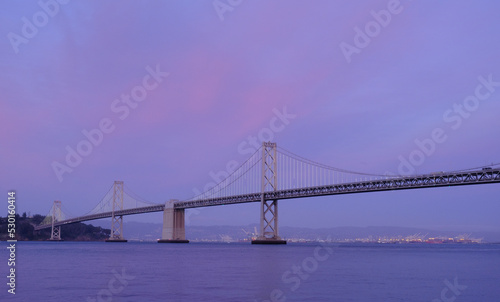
(136, 271)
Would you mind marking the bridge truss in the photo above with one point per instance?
(269, 175)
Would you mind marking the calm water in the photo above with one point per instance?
(67, 271)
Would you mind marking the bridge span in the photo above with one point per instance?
(268, 168)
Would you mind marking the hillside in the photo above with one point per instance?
(25, 230)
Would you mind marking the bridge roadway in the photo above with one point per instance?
(434, 180)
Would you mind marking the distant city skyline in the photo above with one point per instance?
(170, 96)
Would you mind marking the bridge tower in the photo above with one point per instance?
(174, 230)
(269, 208)
(117, 220)
(56, 216)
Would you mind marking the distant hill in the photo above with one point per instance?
(152, 231)
(25, 230)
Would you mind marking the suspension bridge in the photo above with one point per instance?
(269, 175)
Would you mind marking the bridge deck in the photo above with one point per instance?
(487, 176)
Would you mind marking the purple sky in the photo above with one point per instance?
(228, 73)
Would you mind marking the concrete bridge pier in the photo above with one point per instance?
(174, 230)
